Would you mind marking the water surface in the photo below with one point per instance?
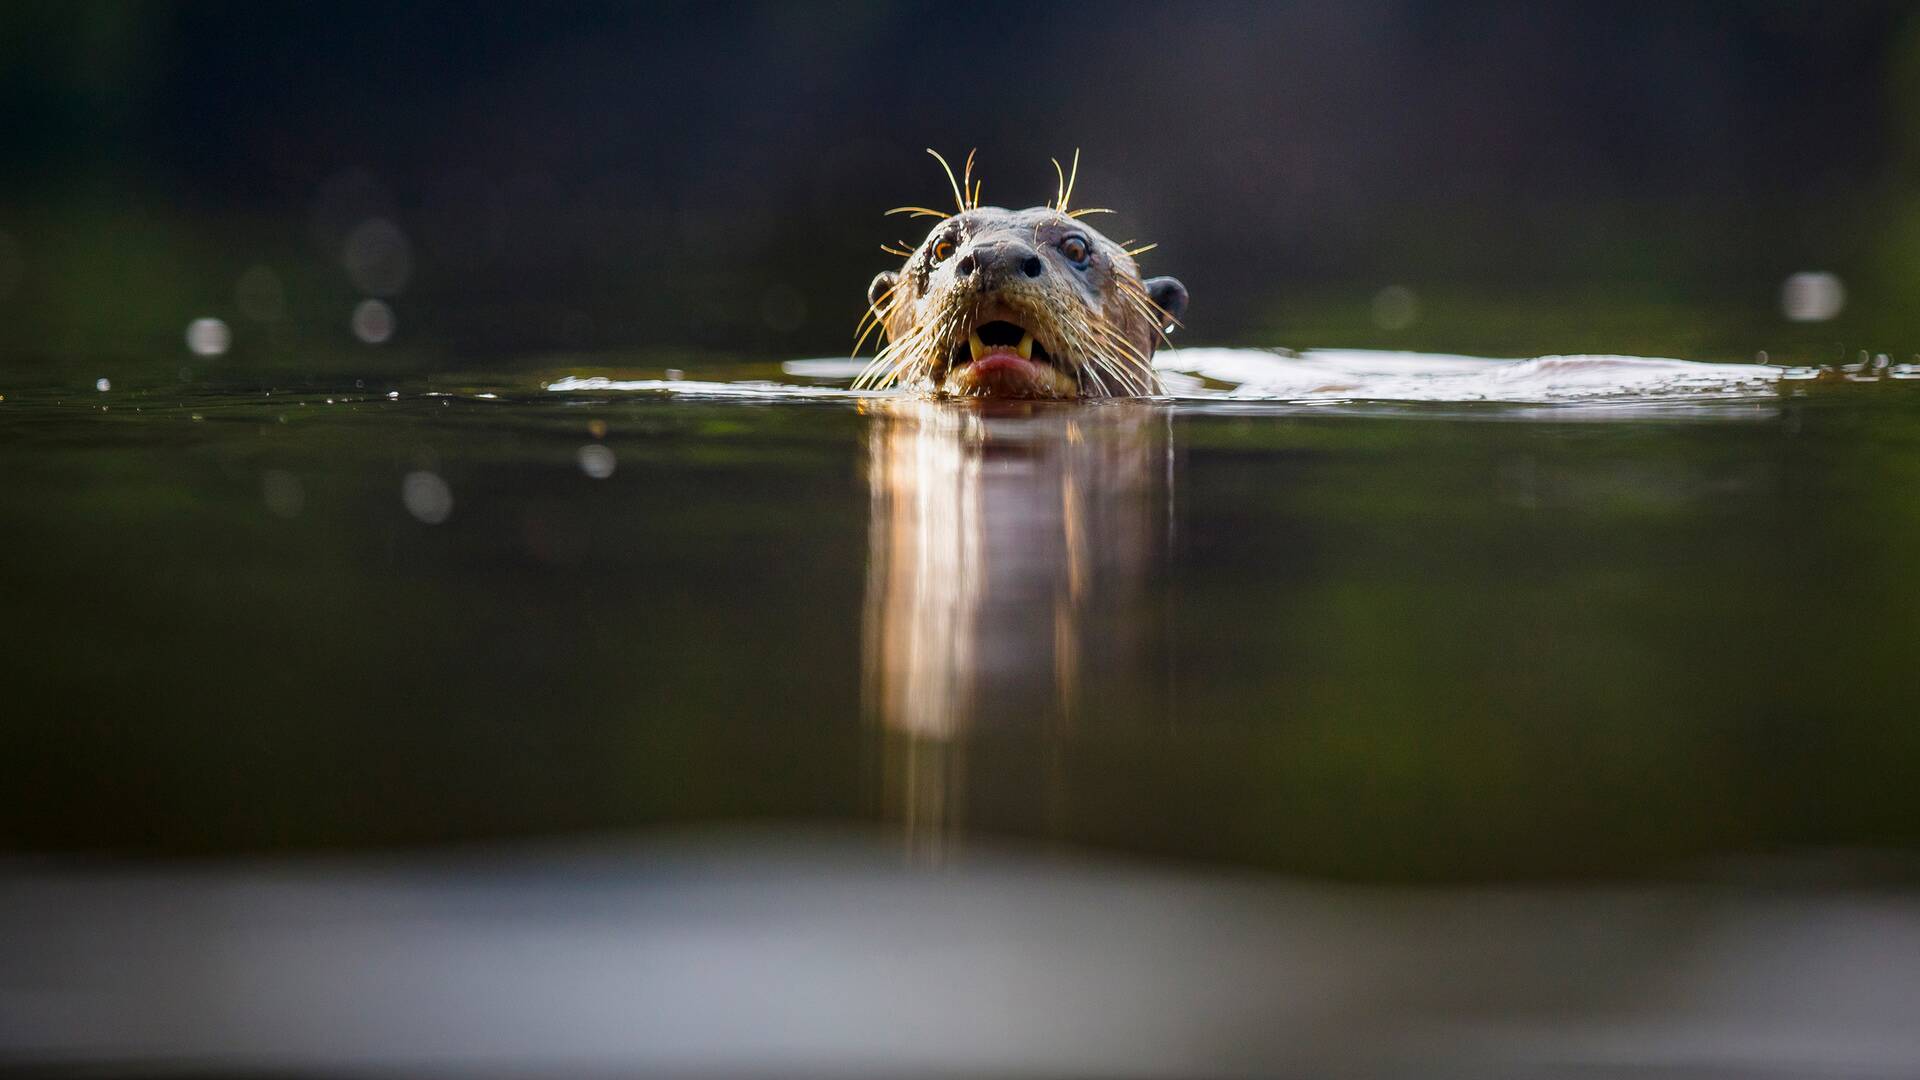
(1394, 621)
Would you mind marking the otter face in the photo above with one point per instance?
(1022, 304)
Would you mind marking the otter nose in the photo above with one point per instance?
(997, 262)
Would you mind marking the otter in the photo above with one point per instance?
(1017, 304)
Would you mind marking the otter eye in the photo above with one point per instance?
(943, 251)
(1076, 249)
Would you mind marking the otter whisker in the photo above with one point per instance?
(873, 320)
(868, 323)
(1139, 251)
(1159, 317)
(876, 308)
(1135, 356)
(891, 250)
(1119, 376)
(897, 356)
(1139, 382)
(1091, 210)
(969, 187)
(1141, 376)
(1112, 367)
(1099, 379)
(1067, 195)
(1119, 371)
(910, 354)
(889, 363)
(917, 211)
(885, 369)
(1112, 337)
(1096, 361)
(870, 377)
(1133, 368)
(958, 199)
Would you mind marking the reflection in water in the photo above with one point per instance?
(1013, 575)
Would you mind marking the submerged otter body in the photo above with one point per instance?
(1021, 304)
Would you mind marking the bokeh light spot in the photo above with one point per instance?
(1395, 307)
(1812, 296)
(208, 337)
(596, 461)
(377, 257)
(373, 321)
(426, 496)
(344, 200)
(283, 493)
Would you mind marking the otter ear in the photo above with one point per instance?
(1169, 294)
(882, 284)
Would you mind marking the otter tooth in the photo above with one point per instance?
(1026, 346)
(973, 342)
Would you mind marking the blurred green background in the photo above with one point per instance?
(670, 184)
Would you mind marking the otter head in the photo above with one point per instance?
(1020, 304)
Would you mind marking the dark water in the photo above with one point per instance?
(1396, 645)
(1387, 643)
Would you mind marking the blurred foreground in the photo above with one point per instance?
(826, 955)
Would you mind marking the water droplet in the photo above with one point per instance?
(103, 384)
(597, 428)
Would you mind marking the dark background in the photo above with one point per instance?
(636, 184)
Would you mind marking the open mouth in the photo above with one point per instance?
(999, 343)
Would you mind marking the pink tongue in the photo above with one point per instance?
(1001, 357)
